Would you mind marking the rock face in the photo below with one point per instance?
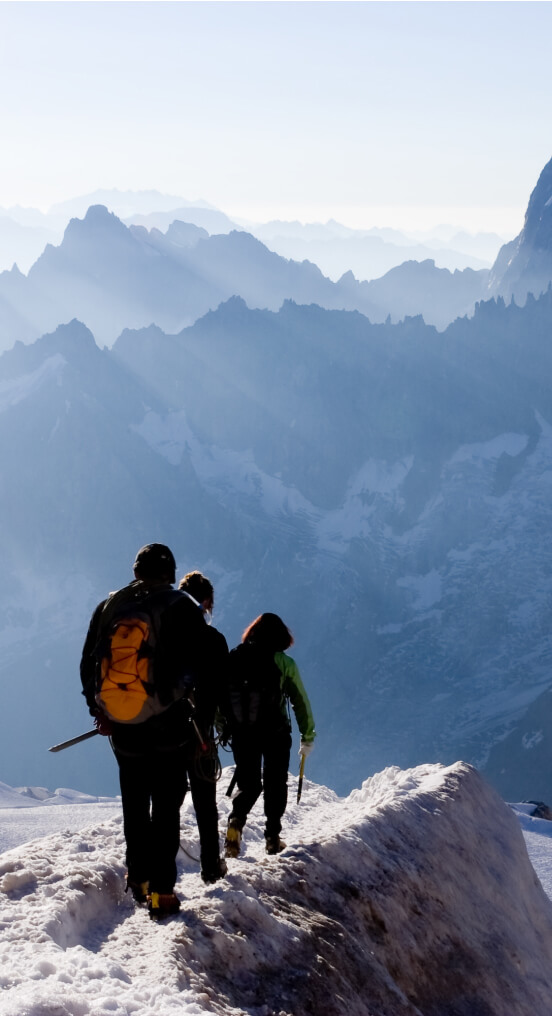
(525, 265)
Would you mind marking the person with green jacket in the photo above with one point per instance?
(262, 679)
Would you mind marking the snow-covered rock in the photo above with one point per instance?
(35, 793)
(414, 896)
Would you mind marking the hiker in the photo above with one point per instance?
(150, 729)
(203, 766)
(262, 680)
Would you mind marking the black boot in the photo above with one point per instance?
(274, 845)
(212, 872)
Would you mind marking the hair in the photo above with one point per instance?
(198, 586)
(270, 631)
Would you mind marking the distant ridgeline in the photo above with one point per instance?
(386, 488)
(113, 276)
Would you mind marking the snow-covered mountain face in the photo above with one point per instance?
(384, 488)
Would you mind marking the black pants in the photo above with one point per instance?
(262, 764)
(201, 776)
(153, 786)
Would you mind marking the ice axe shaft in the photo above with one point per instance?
(201, 739)
(232, 783)
(301, 773)
(74, 740)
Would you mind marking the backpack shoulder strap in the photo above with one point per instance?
(124, 597)
(138, 594)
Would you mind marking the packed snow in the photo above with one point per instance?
(33, 812)
(414, 896)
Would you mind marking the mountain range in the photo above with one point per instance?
(335, 248)
(371, 253)
(382, 487)
(111, 276)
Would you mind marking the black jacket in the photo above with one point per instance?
(210, 686)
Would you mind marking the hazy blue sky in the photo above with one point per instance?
(376, 113)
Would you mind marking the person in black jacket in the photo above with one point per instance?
(262, 680)
(203, 766)
(152, 755)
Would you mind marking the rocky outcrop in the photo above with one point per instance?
(525, 264)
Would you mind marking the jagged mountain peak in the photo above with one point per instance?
(537, 229)
(524, 265)
(73, 340)
(94, 236)
(73, 331)
(185, 233)
(97, 217)
(348, 278)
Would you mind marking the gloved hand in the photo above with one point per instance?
(305, 748)
(102, 724)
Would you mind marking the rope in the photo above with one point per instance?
(187, 852)
(207, 765)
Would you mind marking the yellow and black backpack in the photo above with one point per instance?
(125, 654)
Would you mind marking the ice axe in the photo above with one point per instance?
(74, 740)
(300, 783)
(232, 783)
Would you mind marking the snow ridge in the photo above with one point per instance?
(414, 896)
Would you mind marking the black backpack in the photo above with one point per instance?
(255, 697)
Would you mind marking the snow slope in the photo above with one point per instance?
(414, 896)
(31, 812)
